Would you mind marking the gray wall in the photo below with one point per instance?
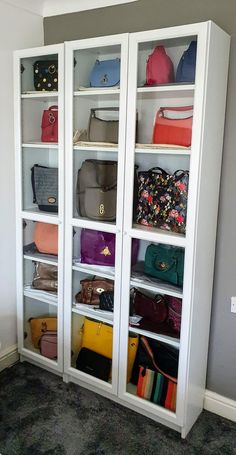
(151, 14)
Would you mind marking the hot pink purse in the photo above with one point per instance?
(159, 69)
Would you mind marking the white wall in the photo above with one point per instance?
(18, 29)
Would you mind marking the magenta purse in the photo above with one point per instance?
(174, 309)
(98, 248)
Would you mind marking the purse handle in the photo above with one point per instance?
(53, 108)
(146, 346)
(159, 170)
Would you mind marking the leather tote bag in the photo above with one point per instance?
(46, 238)
(96, 190)
(103, 130)
(91, 289)
(159, 69)
(45, 277)
(45, 187)
(165, 262)
(173, 126)
(105, 73)
(49, 125)
(162, 199)
(46, 75)
(187, 64)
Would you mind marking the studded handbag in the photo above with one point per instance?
(46, 75)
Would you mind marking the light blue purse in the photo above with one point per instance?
(105, 73)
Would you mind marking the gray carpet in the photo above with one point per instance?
(39, 414)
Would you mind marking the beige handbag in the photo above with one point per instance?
(100, 130)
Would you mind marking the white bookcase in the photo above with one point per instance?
(29, 150)
(203, 160)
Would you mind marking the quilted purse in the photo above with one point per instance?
(105, 73)
(106, 301)
(162, 199)
(46, 75)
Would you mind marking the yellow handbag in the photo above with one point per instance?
(97, 336)
(41, 325)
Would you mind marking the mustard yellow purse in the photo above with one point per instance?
(41, 325)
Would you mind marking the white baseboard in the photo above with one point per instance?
(220, 405)
(8, 357)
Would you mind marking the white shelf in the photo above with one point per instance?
(97, 225)
(175, 342)
(97, 92)
(95, 148)
(101, 271)
(157, 235)
(95, 314)
(162, 288)
(40, 145)
(162, 150)
(167, 88)
(41, 296)
(39, 95)
(43, 258)
(35, 214)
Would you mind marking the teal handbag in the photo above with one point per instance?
(165, 262)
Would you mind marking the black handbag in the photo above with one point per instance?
(106, 299)
(46, 75)
(94, 364)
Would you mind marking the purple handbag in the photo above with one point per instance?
(98, 248)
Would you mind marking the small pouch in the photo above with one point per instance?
(100, 204)
(106, 301)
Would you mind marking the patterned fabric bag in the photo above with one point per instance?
(162, 199)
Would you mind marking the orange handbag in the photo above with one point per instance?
(173, 126)
(46, 238)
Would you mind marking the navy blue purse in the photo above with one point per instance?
(187, 64)
(105, 73)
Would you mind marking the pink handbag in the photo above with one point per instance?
(49, 125)
(174, 309)
(159, 69)
(48, 345)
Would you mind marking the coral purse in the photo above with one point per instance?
(173, 126)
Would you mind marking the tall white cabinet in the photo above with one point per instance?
(137, 105)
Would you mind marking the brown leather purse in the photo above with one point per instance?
(150, 308)
(45, 277)
(91, 289)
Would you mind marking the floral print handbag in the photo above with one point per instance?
(162, 199)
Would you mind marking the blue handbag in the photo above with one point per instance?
(105, 73)
(187, 64)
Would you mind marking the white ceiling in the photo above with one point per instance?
(54, 7)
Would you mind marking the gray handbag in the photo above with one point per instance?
(45, 187)
(100, 130)
(96, 190)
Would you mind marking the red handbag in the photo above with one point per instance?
(173, 126)
(159, 69)
(49, 125)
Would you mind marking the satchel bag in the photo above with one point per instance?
(46, 238)
(159, 69)
(48, 345)
(92, 289)
(45, 277)
(150, 308)
(106, 301)
(96, 190)
(102, 130)
(49, 125)
(41, 325)
(165, 262)
(162, 199)
(174, 312)
(93, 364)
(173, 126)
(187, 64)
(105, 73)
(46, 75)
(98, 248)
(45, 187)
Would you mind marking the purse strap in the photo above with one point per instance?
(148, 349)
(158, 170)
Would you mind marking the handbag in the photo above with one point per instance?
(98, 248)
(103, 130)
(96, 190)
(162, 199)
(46, 238)
(44, 182)
(174, 312)
(173, 126)
(105, 73)
(91, 289)
(93, 364)
(49, 125)
(165, 262)
(98, 337)
(45, 277)
(106, 301)
(155, 387)
(187, 64)
(48, 345)
(159, 68)
(46, 75)
(41, 325)
(150, 308)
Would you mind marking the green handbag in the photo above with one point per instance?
(165, 262)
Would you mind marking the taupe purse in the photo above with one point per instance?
(45, 277)
(100, 130)
(96, 190)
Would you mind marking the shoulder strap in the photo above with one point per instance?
(148, 349)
